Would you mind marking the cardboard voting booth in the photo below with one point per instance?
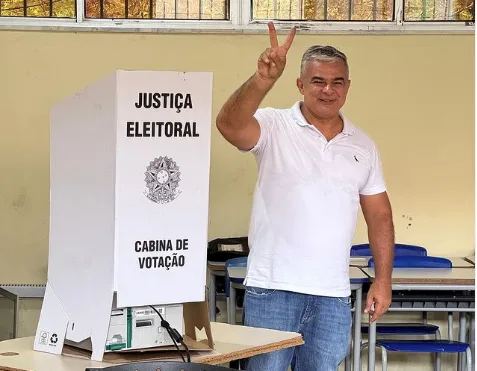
(129, 172)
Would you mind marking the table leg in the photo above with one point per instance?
(212, 299)
(16, 306)
(462, 331)
(372, 346)
(357, 329)
(472, 338)
(450, 325)
(231, 311)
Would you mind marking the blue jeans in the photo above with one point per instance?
(324, 322)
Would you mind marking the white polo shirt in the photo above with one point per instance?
(306, 203)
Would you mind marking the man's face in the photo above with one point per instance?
(324, 86)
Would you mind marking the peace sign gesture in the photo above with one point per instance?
(272, 61)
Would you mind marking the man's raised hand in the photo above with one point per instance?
(272, 61)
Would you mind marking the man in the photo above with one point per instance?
(314, 169)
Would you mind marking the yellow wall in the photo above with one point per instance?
(414, 94)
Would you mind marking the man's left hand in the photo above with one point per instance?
(379, 294)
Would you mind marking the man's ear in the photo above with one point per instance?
(299, 85)
(349, 84)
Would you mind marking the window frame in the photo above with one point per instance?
(240, 22)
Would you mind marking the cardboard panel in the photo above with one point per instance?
(82, 199)
(162, 186)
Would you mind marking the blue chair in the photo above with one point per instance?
(405, 329)
(436, 346)
(417, 262)
(421, 262)
(405, 256)
(424, 346)
(399, 249)
(234, 262)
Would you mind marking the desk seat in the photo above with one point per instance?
(427, 346)
(403, 329)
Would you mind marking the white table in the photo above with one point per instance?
(215, 269)
(231, 342)
(359, 261)
(457, 262)
(432, 279)
(357, 279)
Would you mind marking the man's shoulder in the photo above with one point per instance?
(273, 115)
(360, 136)
(274, 111)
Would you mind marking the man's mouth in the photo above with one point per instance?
(327, 100)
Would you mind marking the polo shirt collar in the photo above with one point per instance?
(348, 127)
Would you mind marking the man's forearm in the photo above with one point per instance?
(381, 240)
(244, 102)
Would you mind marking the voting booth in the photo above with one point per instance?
(129, 196)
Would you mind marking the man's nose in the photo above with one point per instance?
(327, 88)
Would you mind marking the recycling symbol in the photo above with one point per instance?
(54, 339)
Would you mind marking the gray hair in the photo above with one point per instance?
(323, 54)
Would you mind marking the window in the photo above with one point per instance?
(118, 9)
(310, 15)
(38, 8)
(325, 10)
(157, 9)
(363, 10)
(439, 10)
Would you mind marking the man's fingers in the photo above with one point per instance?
(273, 35)
(378, 312)
(290, 37)
(265, 56)
(274, 58)
(374, 315)
(270, 57)
(369, 305)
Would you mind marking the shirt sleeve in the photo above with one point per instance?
(266, 119)
(375, 183)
